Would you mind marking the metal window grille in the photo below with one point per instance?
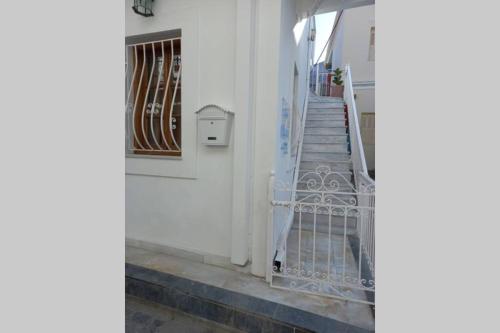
(153, 98)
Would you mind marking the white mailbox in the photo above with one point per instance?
(214, 125)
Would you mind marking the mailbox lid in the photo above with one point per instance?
(212, 111)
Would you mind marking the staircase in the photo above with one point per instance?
(321, 239)
(325, 242)
(325, 145)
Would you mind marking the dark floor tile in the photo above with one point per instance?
(247, 322)
(218, 313)
(270, 326)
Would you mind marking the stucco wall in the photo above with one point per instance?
(365, 103)
(197, 203)
(351, 46)
(355, 51)
(356, 28)
(293, 54)
(186, 203)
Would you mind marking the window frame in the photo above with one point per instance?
(164, 143)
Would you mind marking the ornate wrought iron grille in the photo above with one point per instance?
(153, 99)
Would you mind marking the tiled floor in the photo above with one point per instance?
(356, 314)
(146, 317)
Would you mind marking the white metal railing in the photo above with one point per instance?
(363, 182)
(328, 247)
(323, 83)
(152, 105)
(279, 244)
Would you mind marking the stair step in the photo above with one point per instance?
(325, 130)
(325, 147)
(327, 157)
(339, 200)
(343, 178)
(341, 185)
(338, 174)
(322, 110)
(235, 310)
(325, 123)
(336, 166)
(319, 105)
(323, 230)
(325, 116)
(312, 138)
(322, 224)
(325, 98)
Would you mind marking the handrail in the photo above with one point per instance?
(357, 151)
(364, 183)
(288, 224)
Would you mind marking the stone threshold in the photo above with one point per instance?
(227, 307)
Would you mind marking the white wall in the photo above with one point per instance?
(338, 45)
(293, 52)
(239, 54)
(186, 203)
(351, 46)
(356, 28)
(365, 103)
(357, 24)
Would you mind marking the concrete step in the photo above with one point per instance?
(216, 304)
(145, 316)
(325, 147)
(316, 105)
(341, 185)
(327, 99)
(325, 116)
(343, 177)
(336, 166)
(318, 138)
(325, 130)
(336, 199)
(325, 123)
(325, 157)
(234, 299)
(339, 110)
(337, 223)
(338, 174)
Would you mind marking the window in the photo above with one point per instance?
(371, 50)
(153, 98)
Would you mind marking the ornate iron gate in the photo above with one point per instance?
(324, 235)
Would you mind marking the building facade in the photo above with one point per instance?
(247, 57)
(353, 43)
